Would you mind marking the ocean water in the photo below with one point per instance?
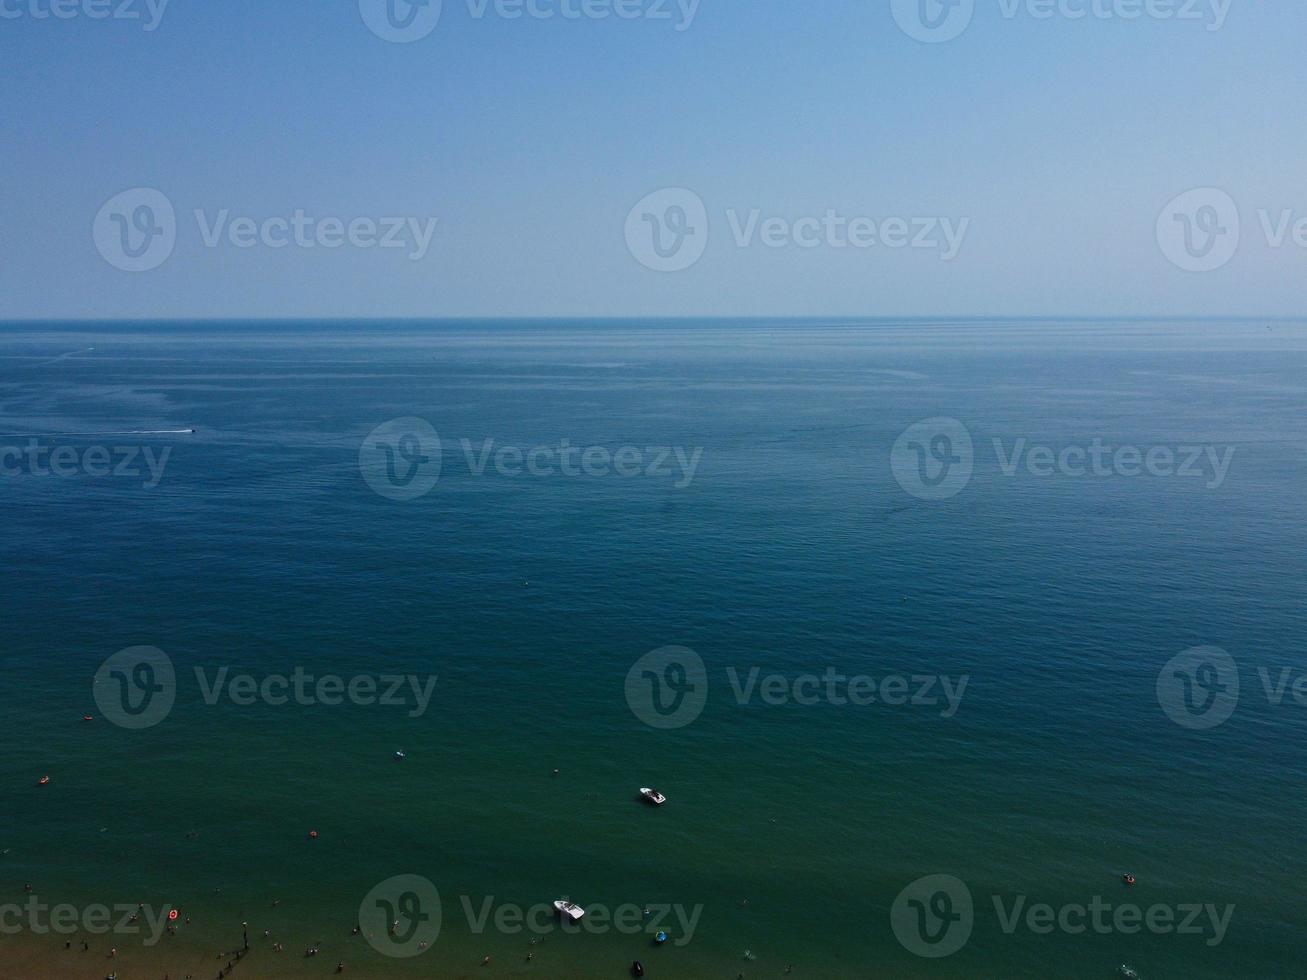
(790, 537)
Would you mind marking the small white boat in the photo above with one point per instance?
(652, 796)
(569, 910)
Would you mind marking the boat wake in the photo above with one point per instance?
(96, 435)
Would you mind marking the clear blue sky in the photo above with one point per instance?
(530, 140)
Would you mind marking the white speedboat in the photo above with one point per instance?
(653, 796)
(568, 910)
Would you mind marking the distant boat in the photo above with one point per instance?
(653, 796)
(43, 781)
(569, 910)
(400, 756)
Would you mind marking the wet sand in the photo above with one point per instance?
(25, 957)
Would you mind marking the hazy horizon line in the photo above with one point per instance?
(624, 318)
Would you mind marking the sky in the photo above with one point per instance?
(535, 158)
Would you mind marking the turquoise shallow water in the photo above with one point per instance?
(794, 549)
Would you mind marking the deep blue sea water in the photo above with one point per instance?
(794, 549)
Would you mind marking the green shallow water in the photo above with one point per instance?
(793, 550)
